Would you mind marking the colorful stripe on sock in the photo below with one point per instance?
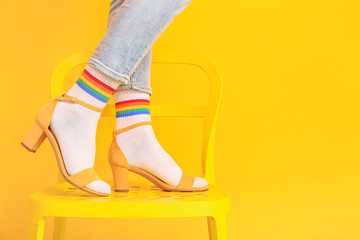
(132, 107)
(94, 87)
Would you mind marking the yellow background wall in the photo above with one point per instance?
(287, 147)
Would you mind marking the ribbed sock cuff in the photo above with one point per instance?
(132, 106)
(94, 87)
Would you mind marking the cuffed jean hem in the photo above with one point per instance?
(127, 84)
(108, 71)
(136, 87)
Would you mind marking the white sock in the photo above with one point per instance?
(75, 125)
(140, 146)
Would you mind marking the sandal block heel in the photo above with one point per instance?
(121, 178)
(34, 138)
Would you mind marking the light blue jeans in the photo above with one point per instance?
(124, 52)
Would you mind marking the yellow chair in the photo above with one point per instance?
(62, 200)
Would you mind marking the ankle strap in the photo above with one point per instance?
(68, 98)
(131, 127)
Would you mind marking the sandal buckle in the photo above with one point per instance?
(67, 98)
(72, 99)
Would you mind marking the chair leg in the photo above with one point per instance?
(217, 227)
(59, 228)
(37, 229)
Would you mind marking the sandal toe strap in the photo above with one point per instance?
(186, 182)
(84, 177)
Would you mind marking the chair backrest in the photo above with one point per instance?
(208, 112)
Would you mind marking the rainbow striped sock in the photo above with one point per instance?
(132, 107)
(94, 87)
(77, 123)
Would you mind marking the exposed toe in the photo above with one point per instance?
(99, 186)
(200, 182)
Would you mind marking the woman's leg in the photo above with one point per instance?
(134, 27)
(75, 125)
(140, 78)
(140, 145)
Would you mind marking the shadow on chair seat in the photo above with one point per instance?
(148, 200)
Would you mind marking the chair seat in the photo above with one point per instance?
(143, 200)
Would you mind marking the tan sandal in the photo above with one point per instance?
(120, 168)
(40, 130)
